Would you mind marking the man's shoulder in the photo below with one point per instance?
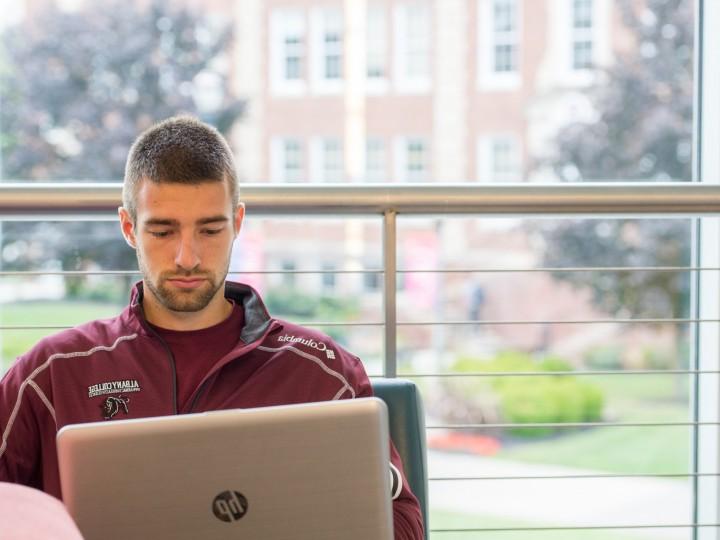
(294, 333)
(81, 339)
(309, 340)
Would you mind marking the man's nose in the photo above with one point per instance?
(187, 256)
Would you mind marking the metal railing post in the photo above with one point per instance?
(389, 291)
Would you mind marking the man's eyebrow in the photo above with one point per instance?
(160, 221)
(173, 222)
(212, 219)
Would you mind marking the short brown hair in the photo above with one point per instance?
(179, 150)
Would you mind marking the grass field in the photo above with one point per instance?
(632, 398)
(60, 314)
(452, 522)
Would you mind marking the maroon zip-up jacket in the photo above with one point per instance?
(120, 368)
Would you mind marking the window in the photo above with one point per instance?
(582, 34)
(287, 51)
(505, 49)
(327, 164)
(287, 160)
(499, 159)
(372, 281)
(288, 277)
(376, 45)
(327, 49)
(555, 129)
(292, 57)
(329, 278)
(413, 37)
(499, 37)
(375, 160)
(412, 159)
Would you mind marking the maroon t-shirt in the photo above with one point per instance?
(197, 351)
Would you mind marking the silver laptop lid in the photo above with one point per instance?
(312, 471)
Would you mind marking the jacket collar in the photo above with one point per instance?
(257, 318)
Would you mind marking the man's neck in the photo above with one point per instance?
(214, 313)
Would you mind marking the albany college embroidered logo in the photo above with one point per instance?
(112, 405)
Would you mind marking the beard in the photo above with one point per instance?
(183, 300)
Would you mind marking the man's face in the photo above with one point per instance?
(183, 235)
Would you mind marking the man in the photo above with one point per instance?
(189, 341)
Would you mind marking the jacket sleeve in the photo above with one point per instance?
(406, 509)
(19, 433)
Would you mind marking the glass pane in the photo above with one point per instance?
(524, 335)
(290, 272)
(591, 90)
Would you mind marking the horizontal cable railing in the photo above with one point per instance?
(25, 201)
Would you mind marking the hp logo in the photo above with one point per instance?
(229, 506)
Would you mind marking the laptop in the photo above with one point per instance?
(316, 471)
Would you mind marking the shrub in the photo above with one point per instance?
(297, 306)
(531, 399)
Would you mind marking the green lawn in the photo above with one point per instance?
(631, 398)
(451, 521)
(63, 313)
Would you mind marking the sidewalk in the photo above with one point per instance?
(559, 502)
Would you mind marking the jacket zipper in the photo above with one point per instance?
(199, 390)
(171, 359)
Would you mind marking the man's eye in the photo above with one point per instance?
(211, 232)
(159, 234)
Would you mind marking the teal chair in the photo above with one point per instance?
(407, 430)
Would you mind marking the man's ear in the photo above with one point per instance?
(127, 227)
(238, 218)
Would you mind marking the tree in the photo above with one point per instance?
(78, 88)
(643, 131)
(83, 84)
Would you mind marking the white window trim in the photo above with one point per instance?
(488, 79)
(600, 36)
(706, 298)
(582, 35)
(277, 159)
(400, 153)
(485, 165)
(402, 83)
(318, 169)
(318, 24)
(325, 287)
(378, 85)
(384, 176)
(284, 22)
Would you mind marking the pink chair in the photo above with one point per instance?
(30, 514)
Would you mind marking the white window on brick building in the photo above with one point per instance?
(375, 160)
(412, 159)
(413, 39)
(286, 160)
(582, 34)
(326, 159)
(329, 277)
(287, 52)
(376, 38)
(499, 159)
(498, 43)
(288, 268)
(327, 47)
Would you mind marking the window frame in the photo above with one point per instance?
(489, 78)
(284, 23)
